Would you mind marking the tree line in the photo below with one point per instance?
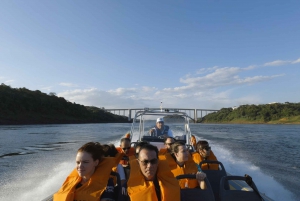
(24, 106)
(267, 113)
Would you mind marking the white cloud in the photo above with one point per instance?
(107, 99)
(250, 99)
(181, 95)
(277, 63)
(281, 63)
(121, 91)
(46, 88)
(199, 91)
(9, 81)
(212, 88)
(66, 84)
(296, 61)
(205, 70)
(220, 77)
(256, 79)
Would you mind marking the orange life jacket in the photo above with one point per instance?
(162, 157)
(131, 158)
(189, 168)
(131, 152)
(117, 158)
(140, 189)
(89, 191)
(163, 151)
(198, 158)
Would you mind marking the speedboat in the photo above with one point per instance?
(221, 184)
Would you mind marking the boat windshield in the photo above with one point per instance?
(175, 121)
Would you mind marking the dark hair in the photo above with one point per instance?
(93, 148)
(149, 147)
(125, 140)
(168, 138)
(109, 150)
(140, 144)
(201, 144)
(174, 147)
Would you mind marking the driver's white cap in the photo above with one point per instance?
(159, 120)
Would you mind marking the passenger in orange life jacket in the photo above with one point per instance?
(127, 150)
(160, 129)
(204, 152)
(181, 162)
(151, 179)
(168, 143)
(90, 178)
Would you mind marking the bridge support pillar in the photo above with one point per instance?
(129, 115)
(195, 115)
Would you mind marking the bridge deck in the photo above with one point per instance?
(195, 111)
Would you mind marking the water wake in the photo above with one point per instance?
(265, 183)
(37, 183)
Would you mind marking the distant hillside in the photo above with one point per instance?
(23, 106)
(275, 113)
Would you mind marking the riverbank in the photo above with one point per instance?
(275, 113)
(286, 120)
(21, 106)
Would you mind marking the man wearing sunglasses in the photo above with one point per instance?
(204, 152)
(151, 179)
(168, 143)
(160, 129)
(127, 151)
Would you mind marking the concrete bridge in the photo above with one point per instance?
(192, 113)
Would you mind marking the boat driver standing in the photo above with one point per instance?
(160, 129)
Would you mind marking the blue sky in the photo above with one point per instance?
(126, 54)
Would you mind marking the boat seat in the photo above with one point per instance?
(238, 194)
(195, 194)
(118, 187)
(180, 138)
(214, 176)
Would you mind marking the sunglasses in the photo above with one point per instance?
(169, 144)
(152, 161)
(126, 148)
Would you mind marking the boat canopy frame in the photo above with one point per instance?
(139, 117)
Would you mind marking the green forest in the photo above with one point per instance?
(275, 113)
(23, 106)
